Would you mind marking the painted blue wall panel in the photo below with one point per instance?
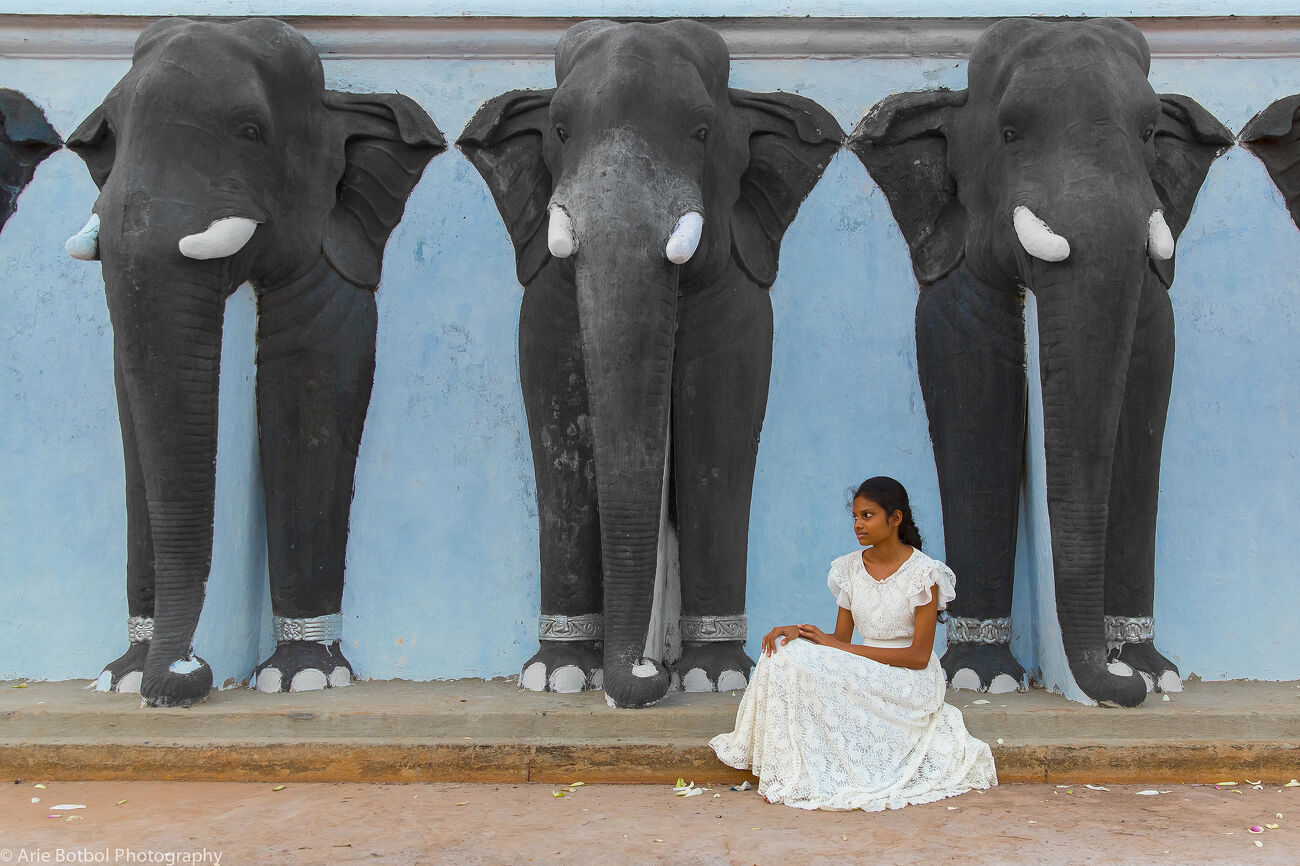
(442, 562)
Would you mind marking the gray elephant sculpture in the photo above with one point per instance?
(26, 138)
(1273, 136)
(646, 201)
(221, 158)
(1059, 169)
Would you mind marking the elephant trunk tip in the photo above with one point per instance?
(685, 238)
(1037, 237)
(84, 245)
(640, 685)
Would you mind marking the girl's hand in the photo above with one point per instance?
(789, 632)
(817, 636)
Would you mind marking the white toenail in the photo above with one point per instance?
(308, 680)
(268, 680)
(568, 680)
(130, 684)
(340, 677)
(534, 678)
(967, 679)
(1120, 669)
(696, 680)
(1169, 682)
(731, 681)
(1146, 678)
(1003, 684)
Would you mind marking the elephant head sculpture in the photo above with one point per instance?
(221, 158)
(26, 138)
(1059, 169)
(646, 201)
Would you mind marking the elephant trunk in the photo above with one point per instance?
(627, 311)
(1087, 311)
(167, 316)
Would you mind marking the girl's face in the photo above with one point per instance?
(871, 525)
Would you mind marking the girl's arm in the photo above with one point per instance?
(916, 656)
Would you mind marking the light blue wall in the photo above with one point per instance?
(443, 575)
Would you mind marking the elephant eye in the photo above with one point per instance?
(250, 131)
(1009, 135)
(1148, 132)
(561, 133)
(701, 134)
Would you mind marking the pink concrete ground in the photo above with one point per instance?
(617, 824)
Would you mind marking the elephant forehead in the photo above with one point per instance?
(657, 51)
(1055, 51)
(224, 53)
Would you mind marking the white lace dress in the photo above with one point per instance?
(826, 729)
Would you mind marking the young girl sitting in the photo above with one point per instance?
(829, 724)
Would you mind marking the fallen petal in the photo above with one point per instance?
(1291, 784)
(558, 793)
(952, 808)
(463, 803)
(693, 792)
(980, 701)
(576, 784)
(1257, 829)
(36, 799)
(278, 788)
(1271, 826)
(119, 802)
(68, 806)
(1000, 741)
(1150, 792)
(1033, 822)
(1259, 844)
(42, 787)
(1096, 788)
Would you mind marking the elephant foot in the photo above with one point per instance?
(563, 666)
(1157, 672)
(125, 672)
(302, 666)
(983, 667)
(184, 683)
(713, 666)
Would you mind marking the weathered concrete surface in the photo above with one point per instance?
(461, 824)
(471, 730)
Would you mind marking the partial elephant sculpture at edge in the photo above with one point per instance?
(1273, 136)
(646, 201)
(1059, 169)
(26, 138)
(221, 158)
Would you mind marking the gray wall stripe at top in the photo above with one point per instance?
(108, 37)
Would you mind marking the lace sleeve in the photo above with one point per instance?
(839, 582)
(937, 575)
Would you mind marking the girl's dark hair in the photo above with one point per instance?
(891, 496)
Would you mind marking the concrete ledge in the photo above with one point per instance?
(471, 730)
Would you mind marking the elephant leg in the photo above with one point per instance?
(315, 370)
(555, 399)
(721, 374)
(1134, 495)
(970, 349)
(124, 673)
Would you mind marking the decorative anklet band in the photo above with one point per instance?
(325, 629)
(715, 628)
(139, 628)
(1130, 629)
(587, 626)
(988, 631)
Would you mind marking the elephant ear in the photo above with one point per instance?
(504, 142)
(903, 143)
(387, 142)
(791, 141)
(96, 143)
(1273, 136)
(1188, 140)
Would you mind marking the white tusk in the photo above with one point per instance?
(685, 238)
(1037, 237)
(560, 239)
(1160, 241)
(225, 237)
(84, 244)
